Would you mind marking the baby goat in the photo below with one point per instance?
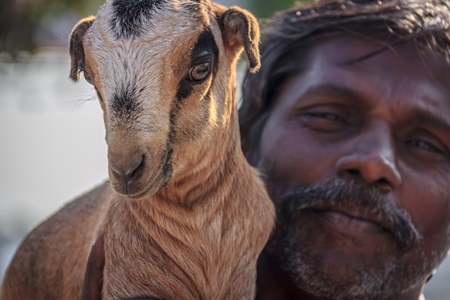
(183, 215)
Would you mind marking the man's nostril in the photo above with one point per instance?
(353, 171)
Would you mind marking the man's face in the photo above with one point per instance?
(357, 160)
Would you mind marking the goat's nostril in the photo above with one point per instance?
(136, 171)
(135, 164)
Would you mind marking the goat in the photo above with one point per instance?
(183, 215)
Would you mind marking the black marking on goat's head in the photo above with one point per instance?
(182, 134)
(167, 169)
(204, 51)
(129, 16)
(126, 107)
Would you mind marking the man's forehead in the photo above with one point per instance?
(348, 51)
(401, 75)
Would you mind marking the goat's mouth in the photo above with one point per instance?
(144, 184)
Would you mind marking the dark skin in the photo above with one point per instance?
(381, 123)
(92, 285)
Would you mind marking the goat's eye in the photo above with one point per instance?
(199, 72)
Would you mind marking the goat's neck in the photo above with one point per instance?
(212, 162)
(199, 193)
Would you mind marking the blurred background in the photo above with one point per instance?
(51, 130)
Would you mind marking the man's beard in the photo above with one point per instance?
(382, 279)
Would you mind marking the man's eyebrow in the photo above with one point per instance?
(431, 119)
(335, 91)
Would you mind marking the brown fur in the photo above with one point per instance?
(197, 236)
(76, 49)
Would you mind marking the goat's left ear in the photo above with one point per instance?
(76, 48)
(240, 29)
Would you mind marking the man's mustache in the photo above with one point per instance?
(367, 198)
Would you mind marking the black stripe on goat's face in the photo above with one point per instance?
(204, 54)
(125, 105)
(130, 14)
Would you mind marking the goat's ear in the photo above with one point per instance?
(76, 48)
(240, 29)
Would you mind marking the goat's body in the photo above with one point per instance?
(50, 262)
(203, 255)
(184, 216)
(150, 250)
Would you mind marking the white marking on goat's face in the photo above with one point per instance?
(153, 65)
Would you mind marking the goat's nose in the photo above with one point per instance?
(127, 167)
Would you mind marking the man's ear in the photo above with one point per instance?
(240, 29)
(76, 48)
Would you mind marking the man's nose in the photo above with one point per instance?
(371, 157)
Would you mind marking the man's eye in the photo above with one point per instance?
(326, 116)
(424, 145)
(326, 122)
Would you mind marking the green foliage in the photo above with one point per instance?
(266, 8)
(21, 20)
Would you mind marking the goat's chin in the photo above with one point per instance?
(138, 191)
(134, 193)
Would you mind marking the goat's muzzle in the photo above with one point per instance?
(126, 171)
(137, 174)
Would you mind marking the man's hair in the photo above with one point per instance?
(289, 35)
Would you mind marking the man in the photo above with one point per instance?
(349, 122)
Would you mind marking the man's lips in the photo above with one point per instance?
(352, 206)
(351, 217)
(348, 222)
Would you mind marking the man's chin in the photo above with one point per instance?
(333, 273)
